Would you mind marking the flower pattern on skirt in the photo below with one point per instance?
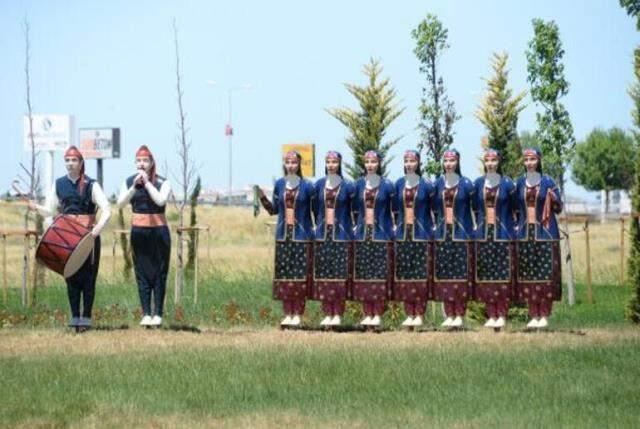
(331, 258)
(293, 262)
(494, 269)
(493, 259)
(451, 258)
(535, 258)
(539, 273)
(372, 265)
(371, 258)
(411, 258)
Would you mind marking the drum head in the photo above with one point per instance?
(79, 255)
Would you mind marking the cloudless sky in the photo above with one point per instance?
(112, 63)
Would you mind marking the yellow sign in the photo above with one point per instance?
(308, 153)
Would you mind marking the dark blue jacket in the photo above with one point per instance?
(542, 234)
(383, 222)
(70, 199)
(505, 210)
(343, 230)
(462, 206)
(141, 202)
(423, 226)
(303, 228)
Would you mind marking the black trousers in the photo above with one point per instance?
(151, 255)
(82, 285)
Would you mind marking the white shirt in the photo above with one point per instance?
(159, 197)
(333, 181)
(292, 181)
(533, 179)
(411, 180)
(51, 203)
(372, 181)
(492, 180)
(451, 179)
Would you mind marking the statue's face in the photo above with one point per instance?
(491, 164)
(332, 165)
(531, 163)
(291, 165)
(450, 164)
(73, 165)
(371, 165)
(144, 163)
(410, 164)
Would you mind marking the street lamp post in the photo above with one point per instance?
(228, 131)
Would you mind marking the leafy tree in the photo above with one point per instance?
(437, 112)
(633, 309)
(605, 161)
(368, 125)
(499, 112)
(548, 85)
(633, 9)
(555, 132)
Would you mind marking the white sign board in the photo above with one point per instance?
(50, 132)
(99, 143)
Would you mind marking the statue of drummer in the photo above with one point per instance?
(78, 197)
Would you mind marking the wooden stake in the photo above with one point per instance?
(113, 253)
(5, 284)
(25, 281)
(195, 267)
(588, 247)
(621, 251)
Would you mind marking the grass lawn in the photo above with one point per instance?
(240, 371)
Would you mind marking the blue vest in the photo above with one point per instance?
(303, 228)
(382, 221)
(462, 205)
(71, 201)
(542, 234)
(343, 228)
(505, 209)
(141, 202)
(423, 224)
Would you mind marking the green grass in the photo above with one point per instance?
(310, 379)
(246, 299)
(563, 387)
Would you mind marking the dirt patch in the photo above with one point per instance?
(36, 343)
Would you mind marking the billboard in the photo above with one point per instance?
(50, 132)
(308, 152)
(99, 143)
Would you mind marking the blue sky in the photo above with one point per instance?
(111, 63)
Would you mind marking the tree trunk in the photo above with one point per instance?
(571, 291)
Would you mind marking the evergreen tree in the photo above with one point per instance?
(499, 112)
(368, 125)
(437, 112)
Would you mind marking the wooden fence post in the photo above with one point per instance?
(5, 284)
(588, 248)
(621, 251)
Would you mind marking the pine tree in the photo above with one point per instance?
(368, 125)
(499, 112)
